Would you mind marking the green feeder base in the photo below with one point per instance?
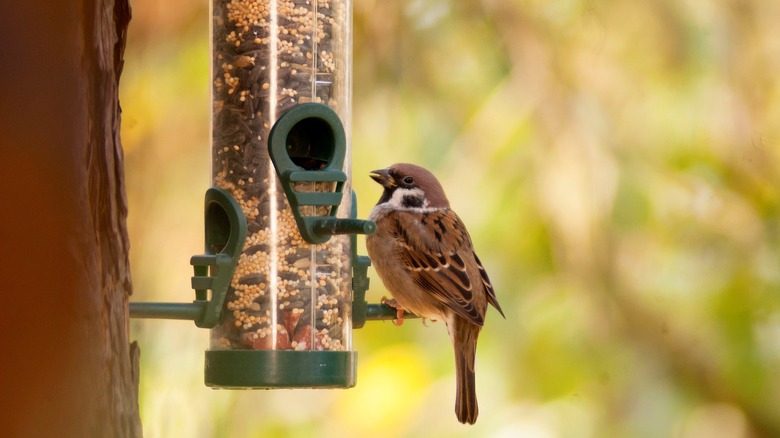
(268, 369)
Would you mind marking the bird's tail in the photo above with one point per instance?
(465, 337)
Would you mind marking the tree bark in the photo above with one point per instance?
(67, 366)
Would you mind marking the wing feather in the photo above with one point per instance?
(434, 255)
(489, 291)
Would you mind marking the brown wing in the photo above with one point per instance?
(491, 293)
(436, 249)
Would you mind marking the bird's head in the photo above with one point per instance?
(408, 187)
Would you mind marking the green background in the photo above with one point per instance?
(616, 164)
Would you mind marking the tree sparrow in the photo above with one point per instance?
(424, 256)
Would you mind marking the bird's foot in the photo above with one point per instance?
(399, 311)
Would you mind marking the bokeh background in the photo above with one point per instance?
(616, 164)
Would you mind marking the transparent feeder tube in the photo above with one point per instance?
(269, 56)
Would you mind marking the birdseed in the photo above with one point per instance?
(285, 293)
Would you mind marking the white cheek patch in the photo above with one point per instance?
(397, 202)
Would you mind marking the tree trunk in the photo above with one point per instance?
(67, 367)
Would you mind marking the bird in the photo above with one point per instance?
(424, 255)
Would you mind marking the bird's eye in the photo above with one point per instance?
(408, 180)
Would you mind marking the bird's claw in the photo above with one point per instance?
(399, 311)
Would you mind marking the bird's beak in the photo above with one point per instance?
(382, 176)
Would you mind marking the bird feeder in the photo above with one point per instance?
(280, 92)
(286, 285)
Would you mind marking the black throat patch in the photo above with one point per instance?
(386, 195)
(410, 201)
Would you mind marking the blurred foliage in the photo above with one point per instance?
(616, 163)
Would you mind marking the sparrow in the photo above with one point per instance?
(424, 256)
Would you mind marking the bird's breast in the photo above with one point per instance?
(397, 279)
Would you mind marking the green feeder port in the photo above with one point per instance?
(225, 236)
(307, 146)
